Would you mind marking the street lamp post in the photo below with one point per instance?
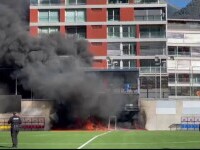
(111, 62)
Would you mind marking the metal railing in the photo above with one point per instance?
(149, 2)
(149, 18)
(46, 2)
(153, 70)
(152, 34)
(180, 54)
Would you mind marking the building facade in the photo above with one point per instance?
(184, 58)
(121, 34)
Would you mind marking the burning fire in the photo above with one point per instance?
(94, 124)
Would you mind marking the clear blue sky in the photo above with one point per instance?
(179, 3)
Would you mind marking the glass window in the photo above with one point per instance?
(75, 16)
(128, 49)
(45, 2)
(172, 50)
(48, 16)
(80, 16)
(113, 14)
(79, 32)
(54, 1)
(70, 16)
(128, 31)
(47, 30)
(129, 63)
(76, 2)
(117, 1)
(43, 16)
(113, 31)
(54, 17)
(34, 2)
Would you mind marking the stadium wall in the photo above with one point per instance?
(161, 114)
(34, 108)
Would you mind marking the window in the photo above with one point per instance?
(128, 49)
(75, 16)
(117, 1)
(76, 2)
(152, 14)
(128, 31)
(79, 31)
(114, 49)
(44, 2)
(129, 63)
(113, 15)
(113, 31)
(48, 16)
(152, 31)
(47, 30)
(33, 2)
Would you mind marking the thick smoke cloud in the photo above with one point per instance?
(51, 66)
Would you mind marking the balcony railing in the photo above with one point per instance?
(77, 35)
(148, 1)
(149, 18)
(152, 35)
(184, 26)
(153, 52)
(118, 1)
(184, 80)
(46, 2)
(180, 54)
(153, 70)
(121, 35)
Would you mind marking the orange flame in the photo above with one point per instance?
(94, 124)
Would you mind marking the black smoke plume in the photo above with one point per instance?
(51, 66)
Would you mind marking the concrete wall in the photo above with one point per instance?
(156, 121)
(39, 108)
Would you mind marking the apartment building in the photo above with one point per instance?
(122, 34)
(184, 58)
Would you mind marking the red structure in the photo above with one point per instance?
(119, 29)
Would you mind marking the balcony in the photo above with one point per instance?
(46, 2)
(118, 1)
(153, 51)
(179, 54)
(148, 2)
(121, 35)
(149, 18)
(152, 35)
(77, 35)
(153, 70)
(190, 27)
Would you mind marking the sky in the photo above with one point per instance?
(179, 3)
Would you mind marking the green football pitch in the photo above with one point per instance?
(120, 139)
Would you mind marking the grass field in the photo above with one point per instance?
(127, 139)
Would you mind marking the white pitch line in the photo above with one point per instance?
(92, 139)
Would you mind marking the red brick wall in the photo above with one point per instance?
(62, 15)
(33, 15)
(96, 2)
(34, 30)
(98, 49)
(126, 14)
(97, 32)
(138, 44)
(96, 14)
(99, 64)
